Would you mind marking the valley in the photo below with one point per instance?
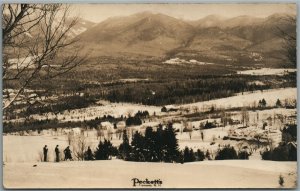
(152, 97)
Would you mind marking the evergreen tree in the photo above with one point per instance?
(125, 148)
(280, 153)
(278, 103)
(192, 155)
(243, 155)
(104, 150)
(289, 133)
(150, 139)
(209, 125)
(226, 153)
(266, 155)
(138, 145)
(164, 109)
(263, 102)
(200, 155)
(186, 155)
(292, 153)
(283, 152)
(158, 146)
(142, 114)
(170, 149)
(88, 155)
(133, 121)
(181, 157)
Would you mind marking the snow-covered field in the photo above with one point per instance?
(117, 109)
(32, 145)
(19, 160)
(119, 174)
(179, 61)
(246, 99)
(268, 71)
(20, 153)
(113, 109)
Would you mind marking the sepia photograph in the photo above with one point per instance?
(149, 96)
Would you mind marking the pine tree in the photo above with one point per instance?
(89, 155)
(186, 154)
(192, 156)
(200, 155)
(138, 145)
(150, 153)
(181, 157)
(125, 148)
(243, 155)
(278, 103)
(104, 150)
(158, 146)
(164, 109)
(226, 153)
(170, 149)
(263, 102)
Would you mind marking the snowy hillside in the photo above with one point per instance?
(246, 99)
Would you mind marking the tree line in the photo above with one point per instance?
(181, 92)
(159, 146)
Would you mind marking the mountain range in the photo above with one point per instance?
(214, 38)
(145, 34)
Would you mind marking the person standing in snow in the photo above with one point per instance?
(57, 153)
(45, 151)
(67, 152)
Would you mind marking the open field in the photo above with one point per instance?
(268, 71)
(248, 99)
(118, 174)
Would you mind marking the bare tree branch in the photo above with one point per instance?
(34, 37)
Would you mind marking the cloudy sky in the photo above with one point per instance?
(100, 12)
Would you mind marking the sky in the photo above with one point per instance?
(100, 12)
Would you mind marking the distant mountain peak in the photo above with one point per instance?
(209, 21)
(144, 13)
(214, 16)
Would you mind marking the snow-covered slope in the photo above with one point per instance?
(246, 99)
(119, 174)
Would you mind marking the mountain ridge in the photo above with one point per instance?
(162, 36)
